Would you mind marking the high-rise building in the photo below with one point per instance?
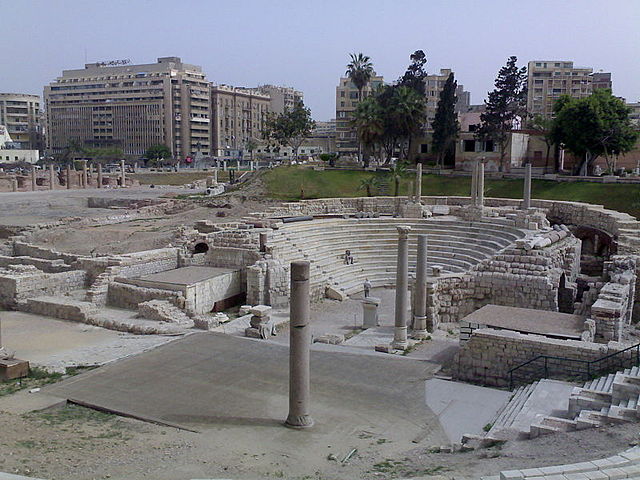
(434, 84)
(20, 114)
(282, 98)
(238, 116)
(131, 106)
(346, 102)
(601, 80)
(547, 80)
(634, 113)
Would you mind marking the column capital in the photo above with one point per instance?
(403, 231)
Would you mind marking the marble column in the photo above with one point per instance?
(418, 182)
(474, 184)
(481, 183)
(122, 174)
(85, 175)
(14, 186)
(420, 291)
(299, 344)
(99, 175)
(402, 285)
(68, 177)
(224, 165)
(526, 204)
(52, 178)
(33, 177)
(215, 176)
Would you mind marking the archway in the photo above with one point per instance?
(201, 247)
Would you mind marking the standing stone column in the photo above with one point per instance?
(85, 176)
(420, 291)
(402, 284)
(299, 343)
(215, 176)
(224, 165)
(99, 175)
(418, 182)
(51, 178)
(474, 184)
(68, 177)
(33, 177)
(14, 186)
(122, 174)
(526, 204)
(481, 183)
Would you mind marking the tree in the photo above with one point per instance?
(406, 116)
(506, 105)
(415, 75)
(594, 126)
(289, 129)
(330, 158)
(445, 124)
(545, 126)
(359, 71)
(156, 153)
(251, 145)
(369, 124)
(369, 184)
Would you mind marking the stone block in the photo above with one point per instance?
(11, 368)
(261, 310)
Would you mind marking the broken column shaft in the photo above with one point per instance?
(299, 344)
(527, 187)
(418, 182)
(420, 291)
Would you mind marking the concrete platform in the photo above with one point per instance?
(527, 320)
(549, 398)
(186, 275)
(208, 381)
(462, 408)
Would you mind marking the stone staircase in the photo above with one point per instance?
(455, 246)
(624, 465)
(608, 399)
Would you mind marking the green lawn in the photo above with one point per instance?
(286, 183)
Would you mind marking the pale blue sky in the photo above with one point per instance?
(306, 44)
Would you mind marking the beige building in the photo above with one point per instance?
(131, 106)
(20, 114)
(238, 116)
(346, 102)
(549, 79)
(282, 98)
(601, 80)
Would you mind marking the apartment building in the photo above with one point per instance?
(434, 83)
(601, 80)
(20, 114)
(346, 102)
(281, 98)
(547, 80)
(238, 116)
(131, 107)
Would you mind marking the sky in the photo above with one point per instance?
(306, 44)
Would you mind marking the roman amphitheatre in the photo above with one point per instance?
(460, 337)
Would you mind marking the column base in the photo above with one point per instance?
(400, 338)
(299, 421)
(421, 334)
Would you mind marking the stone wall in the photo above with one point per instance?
(268, 283)
(489, 354)
(48, 266)
(127, 296)
(148, 262)
(20, 282)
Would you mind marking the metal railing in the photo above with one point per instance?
(572, 369)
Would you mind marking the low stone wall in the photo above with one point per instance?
(147, 262)
(48, 266)
(20, 282)
(489, 354)
(127, 296)
(29, 250)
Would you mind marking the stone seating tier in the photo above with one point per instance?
(455, 246)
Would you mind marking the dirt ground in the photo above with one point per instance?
(74, 443)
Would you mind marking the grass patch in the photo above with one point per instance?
(286, 183)
(37, 377)
(73, 413)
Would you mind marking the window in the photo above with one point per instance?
(424, 148)
(488, 146)
(353, 95)
(342, 104)
(469, 145)
(342, 93)
(473, 128)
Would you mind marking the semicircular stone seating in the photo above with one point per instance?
(453, 245)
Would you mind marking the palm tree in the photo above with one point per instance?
(369, 184)
(369, 123)
(359, 71)
(408, 113)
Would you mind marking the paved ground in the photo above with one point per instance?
(26, 208)
(57, 344)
